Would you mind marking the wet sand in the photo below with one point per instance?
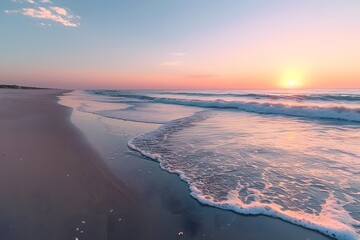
(57, 182)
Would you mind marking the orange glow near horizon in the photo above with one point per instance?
(102, 80)
(186, 78)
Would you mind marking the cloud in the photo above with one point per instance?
(11, 11)
(59, 10)
(54, 13)
(24, 1)
(179, 54)
(177, 59)
(172, 63)
(45, 25)
(48, 13)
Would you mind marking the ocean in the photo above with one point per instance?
(292, 154)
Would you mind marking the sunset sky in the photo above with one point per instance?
(180, 44)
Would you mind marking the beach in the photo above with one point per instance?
(139, 120)
(57, 184)
(52, 182)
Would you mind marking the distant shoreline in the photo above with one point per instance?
(6, 86)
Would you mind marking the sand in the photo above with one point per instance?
(52, 184)
(55, 183)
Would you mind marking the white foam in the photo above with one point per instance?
(333, 220)
(329, 222)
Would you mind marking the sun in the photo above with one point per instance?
(291, 83)
(291, 79)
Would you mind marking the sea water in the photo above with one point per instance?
(294, 155)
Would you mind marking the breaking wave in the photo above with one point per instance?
(318, 111)
(338, 113)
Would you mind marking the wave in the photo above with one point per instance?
(353, 97)
(115, 93)
(334, 113)
(152, 145)
(148, 145)
(309, 111)
(295, 97)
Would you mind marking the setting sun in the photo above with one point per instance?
(291, 83)
(292, 79)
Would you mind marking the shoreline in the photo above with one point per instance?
(112, 137)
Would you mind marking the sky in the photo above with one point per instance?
(180, 44)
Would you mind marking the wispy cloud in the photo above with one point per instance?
(26, 1)
(45, 25)
(47, 12)
(60, 11)
(176, 61)
(172, 63)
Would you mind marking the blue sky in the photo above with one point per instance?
(129, 43)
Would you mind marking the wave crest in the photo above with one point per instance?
(335, 113)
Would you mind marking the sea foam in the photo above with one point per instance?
(331, 219)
